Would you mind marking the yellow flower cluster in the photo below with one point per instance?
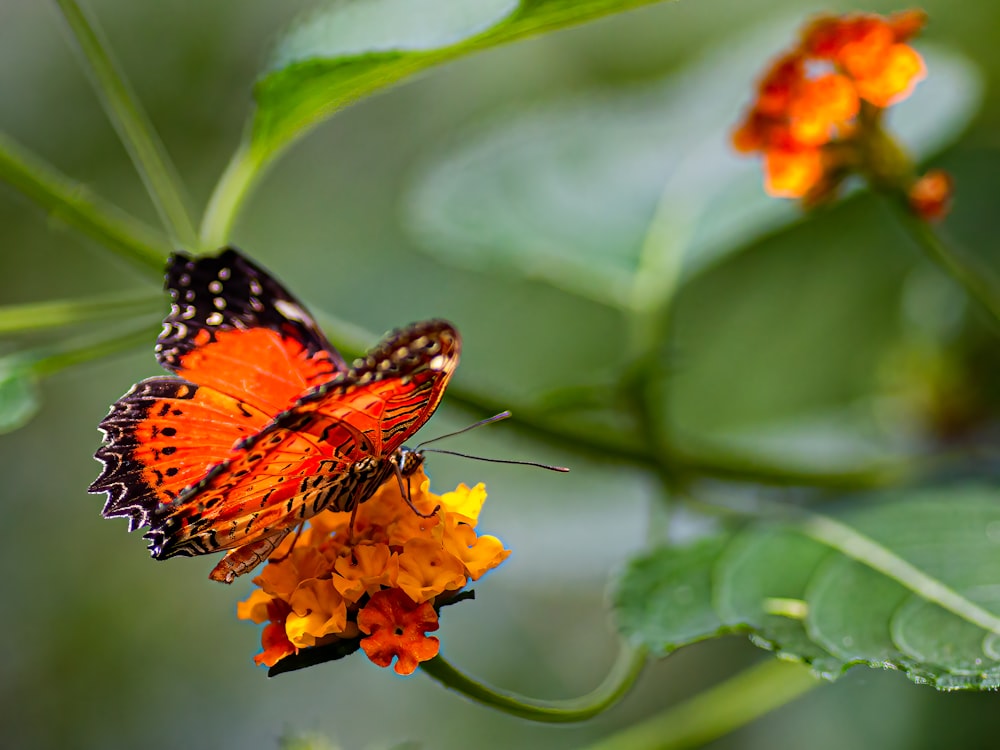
(380, 585)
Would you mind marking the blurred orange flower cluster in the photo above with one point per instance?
(808, 102)
(380, 585)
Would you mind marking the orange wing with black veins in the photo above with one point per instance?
(244, 349)
(331, 449)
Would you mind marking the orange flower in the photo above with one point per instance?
(379, 588)
(805, 119)
(930, 196)
(397, 628)
(871, 50)
(792, 174)
(274, 640)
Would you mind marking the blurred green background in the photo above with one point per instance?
(832, 321)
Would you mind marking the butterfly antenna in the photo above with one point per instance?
(480, 423)
(498, 460)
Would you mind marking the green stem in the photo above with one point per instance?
(697, 460)
(133, 126)
(56, 313)
(978, 280)
(73, 204)
(721, 463)
(617, 683)
(718, 711)
(53, 359)
(233, 188)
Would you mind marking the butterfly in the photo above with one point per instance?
(262, 424)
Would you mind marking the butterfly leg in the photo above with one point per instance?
(404, 490)
(244, 559)
(350, 526)
(298, 533)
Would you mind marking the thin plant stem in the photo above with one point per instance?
(132, 124)
(57, 313)
(76, 206)
(724, 463)
(700, 459)
(53, 359)
(616, 684)
(979, 281)
(717, 711)
(233, 188)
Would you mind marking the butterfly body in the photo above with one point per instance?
(263, 424)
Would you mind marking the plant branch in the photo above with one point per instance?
(727, 464)
(978, 281)
(717, 711)
(132, 124)
(233, 188)
(697, 460)
(619, 680)
(57, 313)
(75, 205)
(55, 358)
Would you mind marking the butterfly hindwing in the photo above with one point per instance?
(330, 450)
(160, 437)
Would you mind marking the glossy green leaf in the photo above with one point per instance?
(570, 191)
(353, 48)
(19, 397)
(908, 581)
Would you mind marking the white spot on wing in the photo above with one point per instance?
(293, 312)
(220, 303)
(437, 363)
(215, 286)
(214, 319)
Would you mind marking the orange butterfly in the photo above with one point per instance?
(266, 424)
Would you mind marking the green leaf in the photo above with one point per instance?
(568, 191)
(353, 48)
(305, 741)
(21, 371)
(909, 580)
(19, 397)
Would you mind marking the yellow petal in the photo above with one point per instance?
(254, 608)
(426, 569)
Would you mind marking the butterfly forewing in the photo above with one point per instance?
(233, 328)
(332, 449)
(388, 395)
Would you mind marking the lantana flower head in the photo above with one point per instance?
(378, 588)
(818, 108)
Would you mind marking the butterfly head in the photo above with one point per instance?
(408, 460)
